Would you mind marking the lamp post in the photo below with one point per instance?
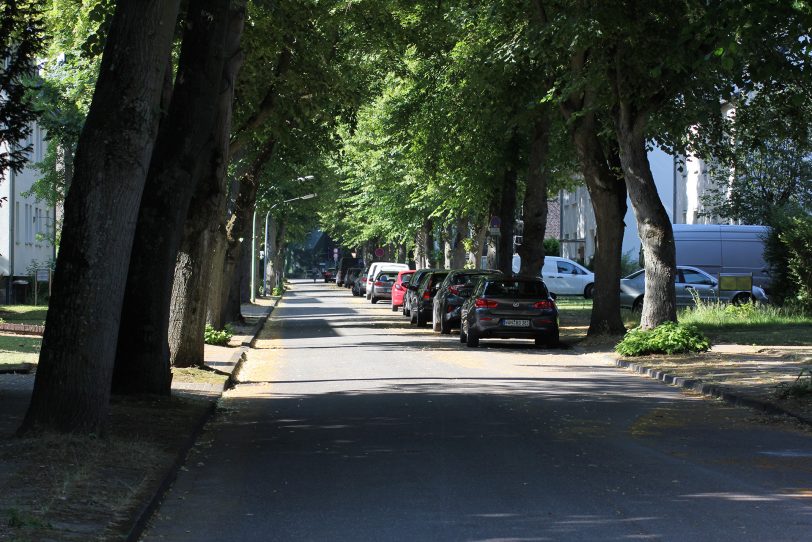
(254, 242)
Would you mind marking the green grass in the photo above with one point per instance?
(24, 314)
(751, 324)
(15, 349)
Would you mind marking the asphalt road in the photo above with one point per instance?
(352, 425)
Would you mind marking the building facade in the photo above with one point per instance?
(681, 181)
(26, 226)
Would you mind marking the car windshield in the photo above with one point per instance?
(516, 289)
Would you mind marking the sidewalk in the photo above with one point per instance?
(745, 375)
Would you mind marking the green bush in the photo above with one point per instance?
(667, 338)
(215, 337)
(797, 239)
(552, 247)
(278, 290)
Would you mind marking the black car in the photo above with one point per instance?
(505, 308)
(350, 275)
(359, 285)
(453, 292)
(329, 275)
(422, 304)
(411, 290)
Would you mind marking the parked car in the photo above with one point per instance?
(350, 275)
(345, 264)
(508, 308)
(424, 300)
(563, 276)
(690, 282)
(329, 275)
(715, 249)
(382, 285)
(373, 271)
(400, 287)
(361, 283)
(453, 292)
(411, 292)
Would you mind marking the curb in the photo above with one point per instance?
(709, 390)
(22, 329)
(143, 517)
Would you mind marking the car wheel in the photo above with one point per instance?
(472, 340)
(435, 322)
(463, 336)
(589, 291)
(412, 318)
(394, 308)
(420, 320)
(445, 327)
(406, 311)
(373, 299)
(637, 306)
(741, 299)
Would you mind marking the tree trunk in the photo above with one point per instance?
(653, 224)
(535, 198)
(460, 233)
(608, 194)
(507, 206)
(431, 255)
(193, 267)
(142, 359)
(72, 386)
(479, 244)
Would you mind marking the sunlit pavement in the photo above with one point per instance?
(350, 424)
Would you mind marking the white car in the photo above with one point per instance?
(563, 276)
(378, 266)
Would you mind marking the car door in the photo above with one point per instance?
(569, 279)
(552, 278)
(690, 283)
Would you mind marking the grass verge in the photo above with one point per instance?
(16, 349)
(24, 314)
(751, 324)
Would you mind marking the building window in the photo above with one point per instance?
(17, 233)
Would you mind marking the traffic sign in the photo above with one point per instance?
(496, 222)
(379, 252)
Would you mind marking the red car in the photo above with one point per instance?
(399, 288)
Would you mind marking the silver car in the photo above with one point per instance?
(691, 283)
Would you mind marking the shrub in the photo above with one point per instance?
(552, 247)
(215, 337)
(801, 387)
(667, 338)
(798, 242)
(278, 290)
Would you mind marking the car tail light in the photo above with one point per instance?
(378, 283)
(482, 303)
(546, 304)
(454, 290)
(426, 296)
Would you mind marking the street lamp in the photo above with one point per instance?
(254, 242)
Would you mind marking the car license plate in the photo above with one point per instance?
(516, 323)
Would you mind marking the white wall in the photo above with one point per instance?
(28, 217)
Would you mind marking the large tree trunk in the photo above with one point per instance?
(507, 206)
(479, 243)
(653, 224)
(206, 212)
(460, 233)
(608, 194)
(72, 386)
(142, 359)
(535, 198)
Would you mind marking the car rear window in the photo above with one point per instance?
(516, 289)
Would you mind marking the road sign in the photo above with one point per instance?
(495, 232)
(43, 275)
(379, 252)
(496, 222)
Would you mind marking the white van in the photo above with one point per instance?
(716, 249)
(378, 266)
(563, 276)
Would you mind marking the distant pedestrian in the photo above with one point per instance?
(315, 273)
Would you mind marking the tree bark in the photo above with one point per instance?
(653, 224)
(479, 244)
(460, 233)
(206, 213)
(72, 386)
(142, 359)
(608, 194)
(507, 205)
(535, 198)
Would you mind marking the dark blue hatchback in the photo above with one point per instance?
(510, 308)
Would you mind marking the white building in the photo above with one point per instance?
(25, 226)
(681, 183)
